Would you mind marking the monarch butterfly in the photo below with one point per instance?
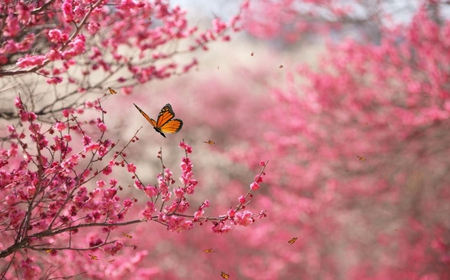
(224, 275)
(165, 122)
(127, 235)
(292, 241)
(112, 91)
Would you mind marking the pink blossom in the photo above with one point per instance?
(127, 203)
(86, 140)
(74, 159)
(31, 190)
(113, 249)
(107, 170)
(31, 116)
(102, 127)
(187, 225)
(86, 173)
(77, 47)
(258, 178)
(149, 210)
(254, 186)
(11, 199)
(12, 26)
(221, 228)
(56, 71)
(205, 204)
(198, 215)
(29, 269)
(127, 90)
(101, 183)
(131, 168)
(67, 137)
(218, 25)
(16, 216)
(179, 193)
(29, 61)
(27, 116)
(93, 27)
(10, 47)
(18, 102)
(231, 213)
(66, 112)
(54, 80)
(67, 11)
(54, 55)
(60, 126)
(57, 36)
(109, 193)
(113, 182)
(151, 191)
(244, 218)
(186, 147)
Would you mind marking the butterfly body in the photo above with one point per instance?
(165, 122)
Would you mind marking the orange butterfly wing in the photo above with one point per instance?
(224, 275)
(165, 122)
(150, 120)
(172, 126)
(165, 115)
(112, 91)
(292, 241)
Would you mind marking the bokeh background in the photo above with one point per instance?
(351, 110)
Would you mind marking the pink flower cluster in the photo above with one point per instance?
(174, 214)
(42, 167)
(147, 26)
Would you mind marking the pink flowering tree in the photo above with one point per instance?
(358, 153)
(297, 21)
(88, 46)
(63, 211)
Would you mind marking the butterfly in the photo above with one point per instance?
(292, 241)
(224, 275)
(209, 250)
(127, 235)
(361, 158)
(112, 91)
(209, 142)
(165, 122)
